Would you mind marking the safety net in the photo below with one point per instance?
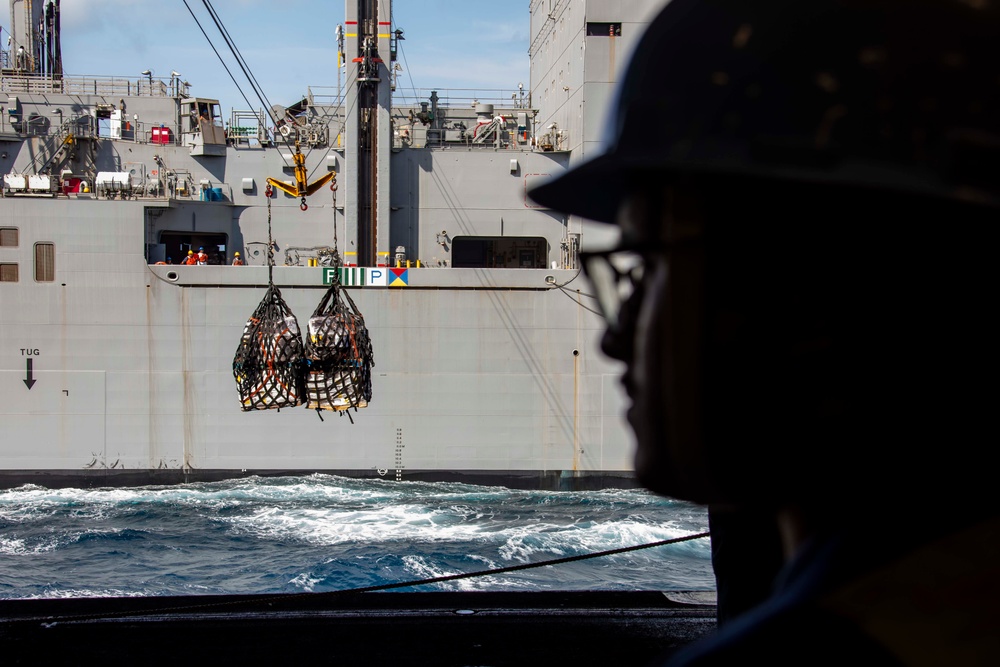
(338, 358)
(269, 361)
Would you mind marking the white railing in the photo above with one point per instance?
(447, 97)
(90, 85)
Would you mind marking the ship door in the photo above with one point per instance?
(103, 117)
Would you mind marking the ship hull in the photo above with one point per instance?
(483, 375)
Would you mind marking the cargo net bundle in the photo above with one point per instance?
(269, 360)
(339, 355)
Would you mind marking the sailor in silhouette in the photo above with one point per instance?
(803, 296)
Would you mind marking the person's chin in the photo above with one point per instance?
(649, 472)
(648, 460)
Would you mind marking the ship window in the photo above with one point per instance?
(8, 237)
(45, 262)
(8, 273)
(499, 252)
(604, 29)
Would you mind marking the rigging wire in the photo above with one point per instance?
(217, 54)
(329, 147)
(258, 89)
(226, 67)
(268, 191)
(573, 295)
(573, 298)
(409, 74)
(243, 65)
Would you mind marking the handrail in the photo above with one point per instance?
(92, 85)
(447, 97)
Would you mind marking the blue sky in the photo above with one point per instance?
(290, 45)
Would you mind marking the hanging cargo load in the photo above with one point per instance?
(268, 362)
(339, 354)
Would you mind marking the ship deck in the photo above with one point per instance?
(440, 629)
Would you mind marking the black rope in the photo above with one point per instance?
(364, 589)
(517, 568)
(270, 242)
(336, 249)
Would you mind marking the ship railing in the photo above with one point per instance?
(92, 85)
(177, 186)
(447, 97)
(84, 127)
(37, 125)
(202, 191)
(247, 127)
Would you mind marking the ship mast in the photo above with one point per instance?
(34, 39)
(368, 24)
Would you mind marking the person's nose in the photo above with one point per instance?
(618, 341)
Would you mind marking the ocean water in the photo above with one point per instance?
(325, 533)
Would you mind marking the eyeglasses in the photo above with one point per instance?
(616, 275)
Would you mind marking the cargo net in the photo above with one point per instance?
(268, 362)
(339, 355)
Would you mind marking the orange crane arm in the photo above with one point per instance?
(302, 187)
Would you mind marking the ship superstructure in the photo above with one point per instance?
(116, 361)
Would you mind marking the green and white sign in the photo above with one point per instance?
(358, 276)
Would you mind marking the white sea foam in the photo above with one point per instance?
(421, 567)
(416, 524)
(310, 533)
(305, 581)
(70, 593)
(251, 489)
(14, 546)
(331, 526)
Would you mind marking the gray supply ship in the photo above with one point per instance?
(116, 364)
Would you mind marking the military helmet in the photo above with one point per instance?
(894, 95)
